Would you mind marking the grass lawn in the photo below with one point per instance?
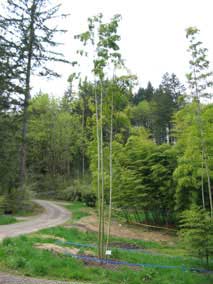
(6, 219)
(21, 255)
(78, 209)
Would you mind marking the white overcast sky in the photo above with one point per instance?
(152, 36)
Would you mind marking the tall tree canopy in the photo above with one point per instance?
(27, 32)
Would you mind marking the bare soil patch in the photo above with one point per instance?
(90, 223)
(62, 250)
(56, 249)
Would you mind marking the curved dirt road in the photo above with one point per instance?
(52, 216)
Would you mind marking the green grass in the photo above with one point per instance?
(20, 255)
(78, 209)
(5, 219)
(155, 257)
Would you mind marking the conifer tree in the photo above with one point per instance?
(28, 32)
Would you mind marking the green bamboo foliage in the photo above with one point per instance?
(196, 232)
(200, 81)
(103, 38)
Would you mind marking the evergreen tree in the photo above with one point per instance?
(144, 94)
(7, 76)
(171, 85)
(27, 31)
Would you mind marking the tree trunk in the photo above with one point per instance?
(68, 168)
(23, 152)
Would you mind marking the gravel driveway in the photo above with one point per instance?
(52, 216)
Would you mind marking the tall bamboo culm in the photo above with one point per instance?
(110, 173)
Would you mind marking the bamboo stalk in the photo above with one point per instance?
(98, 177)
(202, 185)
(102, 173)
(111, 174)
(209, 188)
(203, 145)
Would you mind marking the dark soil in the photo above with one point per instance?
(125, 245)
(109, 266)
